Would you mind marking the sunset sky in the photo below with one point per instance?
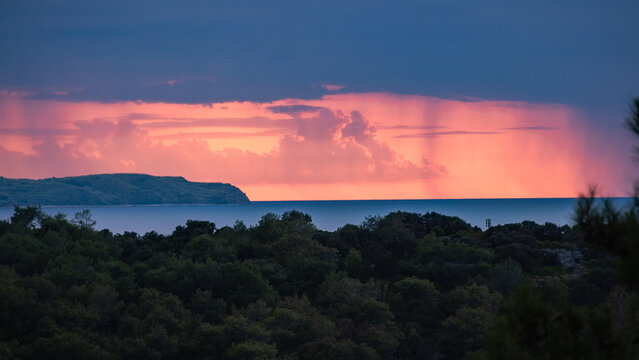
(295, 100)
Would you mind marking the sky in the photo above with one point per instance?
(313, 100)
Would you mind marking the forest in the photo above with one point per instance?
(402, 286)
(116, 189)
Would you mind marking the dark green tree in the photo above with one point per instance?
(612, 228)
(84, 219)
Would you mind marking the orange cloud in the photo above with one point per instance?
(347, 146)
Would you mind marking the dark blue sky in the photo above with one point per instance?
(581, 53)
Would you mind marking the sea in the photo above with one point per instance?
(326, 215)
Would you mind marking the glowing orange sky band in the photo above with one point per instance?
(347, 146)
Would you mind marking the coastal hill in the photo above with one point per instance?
(116, 189)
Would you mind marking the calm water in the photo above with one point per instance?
(327, 215)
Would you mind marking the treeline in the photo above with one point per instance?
(117, 189)
(405, 286)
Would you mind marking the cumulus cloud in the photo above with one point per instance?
(329, 147)
(343, 146)
(322, 127)
(358, 128)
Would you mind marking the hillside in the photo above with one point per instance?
(116, 189)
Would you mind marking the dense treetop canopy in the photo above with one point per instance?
(404, 286)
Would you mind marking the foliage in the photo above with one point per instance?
(535, 325)
(616, 230)
(588, 316)
(405, 286)
(116, 189)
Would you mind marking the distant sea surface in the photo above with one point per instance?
(327, 215)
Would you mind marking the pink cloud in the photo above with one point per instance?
(340, 146)
(331, 147)
(333, 87)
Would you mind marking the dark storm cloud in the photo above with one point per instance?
(571, 52)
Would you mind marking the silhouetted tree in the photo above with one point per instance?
(607, 226)
(28, 217)
(84, 219)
